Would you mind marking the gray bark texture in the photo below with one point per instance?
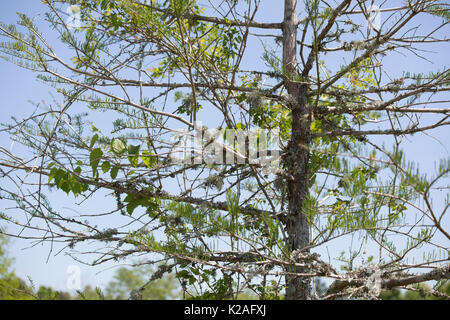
(296, 161)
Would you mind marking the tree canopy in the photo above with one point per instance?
(233, 151)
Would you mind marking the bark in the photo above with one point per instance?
(297, 228)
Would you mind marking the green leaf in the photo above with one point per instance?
(94, 158)
(76, 189)
(65, 186)
(135, 201)
(114, 172)
(134, 151)
(93, 140)
(77, 170)
(183, 274)
(106, 166)
(131, 206)
(52, 174)
(134, 161)
(118, 146)
(148, 158)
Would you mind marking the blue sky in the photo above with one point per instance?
(18, 87)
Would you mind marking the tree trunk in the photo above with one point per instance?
(297, 228)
